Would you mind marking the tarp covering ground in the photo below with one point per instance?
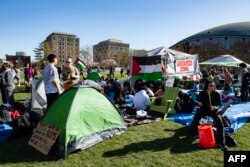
(238, 114)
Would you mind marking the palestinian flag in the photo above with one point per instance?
(147, 68)
(79, 64)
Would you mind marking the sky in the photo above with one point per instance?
(144, 24)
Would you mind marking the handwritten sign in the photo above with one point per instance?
(184, 66)
(44, 137)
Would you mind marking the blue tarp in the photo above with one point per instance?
(238, 114)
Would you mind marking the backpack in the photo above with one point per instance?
(158, 101)
(230, 142)
(5, 116)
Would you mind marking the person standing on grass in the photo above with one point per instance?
(8, 81)
(244, 82)
(111, 72)
(28, 75)
(51, 80)
(17, 70)
(128, 71)
(35, 72)
(228, 79)
(4, 100)
(122, 70)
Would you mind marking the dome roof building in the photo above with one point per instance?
(231, 39)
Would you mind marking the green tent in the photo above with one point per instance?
(85, 118)
(94, 76)
(80, 65)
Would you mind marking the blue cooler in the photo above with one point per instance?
(5, 132)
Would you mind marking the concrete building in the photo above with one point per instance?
(110, 49)
(233, 39)
(20, 59)
(63, 45)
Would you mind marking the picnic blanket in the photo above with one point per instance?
(238, 114)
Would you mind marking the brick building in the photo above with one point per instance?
(63, 45)
(110, 49)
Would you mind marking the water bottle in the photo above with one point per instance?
(203, 121)
(210, 120)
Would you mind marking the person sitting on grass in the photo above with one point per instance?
(142, 100)
(184, 103)
(196, 86)
(160, 91)
(227, 93)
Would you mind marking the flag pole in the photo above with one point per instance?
(130, 73)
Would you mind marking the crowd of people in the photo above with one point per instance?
(10, 75)
(203, 96)
(116, 90)
(234, 82)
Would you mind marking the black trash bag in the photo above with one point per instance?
(21, 126)
(158, 101)
(230, 142)
(5, 116)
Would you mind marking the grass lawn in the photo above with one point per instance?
(116, 74)
(158, 144)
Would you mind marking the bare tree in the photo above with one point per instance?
(137, 52)
(123, 59)
(86, 53)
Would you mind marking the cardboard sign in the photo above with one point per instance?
(44, 137)
(184, 66)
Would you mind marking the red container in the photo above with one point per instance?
(206, 136)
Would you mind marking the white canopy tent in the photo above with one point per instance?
(224, 60)
(178, 63)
